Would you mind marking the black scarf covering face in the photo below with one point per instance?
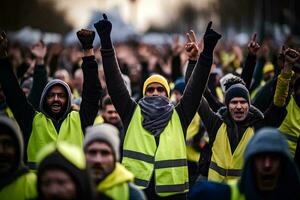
(157, 112)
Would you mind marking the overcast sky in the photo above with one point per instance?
(141, 15)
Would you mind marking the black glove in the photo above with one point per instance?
(86, 38)
(211, 38)
(3, 45)
(103, 28)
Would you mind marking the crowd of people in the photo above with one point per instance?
(137, 121)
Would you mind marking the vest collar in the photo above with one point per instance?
(118, 176)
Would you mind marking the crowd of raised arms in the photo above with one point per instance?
(203, 119)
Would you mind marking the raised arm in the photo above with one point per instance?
(250, 62)
(15, 98)
(197, 83)
(115, 83)
(40, 77)
(283, 81)
(92, 91)
(176, 60)
(277, 108)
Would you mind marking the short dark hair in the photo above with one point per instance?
(106, 101)
(232, 81)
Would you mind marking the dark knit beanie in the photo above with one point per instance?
(237, 90)
(179, 85)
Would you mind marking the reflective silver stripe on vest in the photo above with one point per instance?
(172, 188)
(170, 163)
(291, 138)
(141, 182)
(225, 172)
(138, 156)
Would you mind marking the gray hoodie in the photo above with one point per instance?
(43, 100)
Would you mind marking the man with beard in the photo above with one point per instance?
(16, 182)
(55, 121)
(101, 147)
(109, 114)
(154, 148)
(268, 173)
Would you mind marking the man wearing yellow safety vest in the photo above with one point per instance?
(154, 147)
(16, 182)
(268, 173)
(231, 128)
(290, 127)
(63, 174)
(55, 120)
(196, 137)
(101, 148)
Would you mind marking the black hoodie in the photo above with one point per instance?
(269, 140)
(71, 160)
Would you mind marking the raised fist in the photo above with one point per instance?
(39, 50)
(3, 45)
(290, 55)
(86, 38)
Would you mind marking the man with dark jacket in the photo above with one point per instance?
(101, 148)
(55, 121)
(153, 126)
(233, 125)
(268, 173)
(16, 182)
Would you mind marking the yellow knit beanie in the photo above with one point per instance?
(156, 78)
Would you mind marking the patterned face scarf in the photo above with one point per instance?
(157, 112)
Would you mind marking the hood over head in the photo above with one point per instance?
(9, 126)
(12, 128)
(270, 140)
(71, 160)
(43, 101)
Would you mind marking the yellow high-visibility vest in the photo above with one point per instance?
(44, 132)
(167, 162)
(290, 126)
(235, 193)
(24, 187)
(224, 165)
(115, 185)
(192, 154)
